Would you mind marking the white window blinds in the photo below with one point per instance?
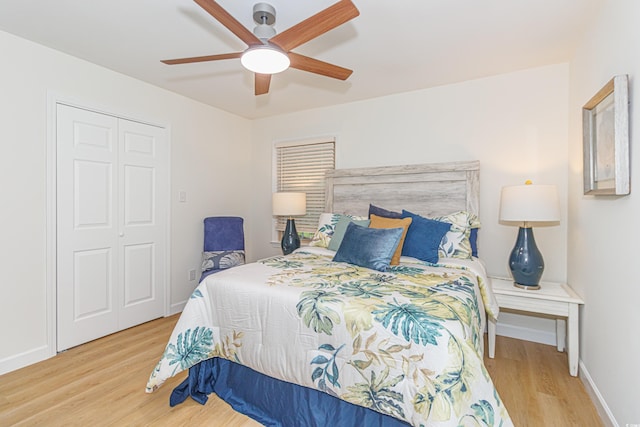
(301, 167)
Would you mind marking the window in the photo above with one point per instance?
(300, 166)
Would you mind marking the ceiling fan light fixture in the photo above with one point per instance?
(265, 59)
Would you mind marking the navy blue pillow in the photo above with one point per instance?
(378, 211)
(423, 237)
(368, 247)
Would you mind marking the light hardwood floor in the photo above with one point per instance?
(102, 384)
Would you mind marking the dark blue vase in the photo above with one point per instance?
(526, 261)
(290, 238)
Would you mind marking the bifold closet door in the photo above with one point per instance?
(112, 179)
(142, 218)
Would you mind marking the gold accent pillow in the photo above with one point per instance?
(382, 222)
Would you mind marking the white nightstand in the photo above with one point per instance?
(556, 299)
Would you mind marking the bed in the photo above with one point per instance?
(303, 340)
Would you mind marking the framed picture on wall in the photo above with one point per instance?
(605, 133)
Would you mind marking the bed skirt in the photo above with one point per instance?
(270, 401)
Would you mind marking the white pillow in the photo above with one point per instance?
(326, 228)
(456, 243)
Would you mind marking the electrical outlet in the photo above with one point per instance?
(192, 275)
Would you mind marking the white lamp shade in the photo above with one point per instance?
(530, 203)
(289, 204)
(265, 59)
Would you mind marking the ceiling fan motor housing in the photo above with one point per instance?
(264, 13)
(265, 16)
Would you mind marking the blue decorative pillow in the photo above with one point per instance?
(341, 227)
(424, 237)
(375, 210)
(368, 247)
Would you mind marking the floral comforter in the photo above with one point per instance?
(406, 343)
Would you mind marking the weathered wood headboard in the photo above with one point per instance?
(426, 189)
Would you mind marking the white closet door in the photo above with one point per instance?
(143, 221)
(87, 230)
(112, 178)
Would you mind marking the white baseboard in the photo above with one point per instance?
(526, 334)
(598, 401)
(176, 308)
(38, 354)
(26, 358)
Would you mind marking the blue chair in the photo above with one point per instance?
(223, 244)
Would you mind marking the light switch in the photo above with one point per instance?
(182, 196)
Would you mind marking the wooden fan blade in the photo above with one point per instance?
(262, 83)
(229, 21)
(304, 63)
(202, 58)
(316, 25)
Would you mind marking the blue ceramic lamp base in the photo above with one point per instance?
(290, 239)
(526, 261)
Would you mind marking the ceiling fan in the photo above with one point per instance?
(264, 42)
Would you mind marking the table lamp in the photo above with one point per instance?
(289, 204)
(524, 204)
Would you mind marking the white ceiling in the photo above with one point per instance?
(393, 46)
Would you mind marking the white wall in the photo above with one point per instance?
(208, 161)
(603, 231)
(515, 124)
